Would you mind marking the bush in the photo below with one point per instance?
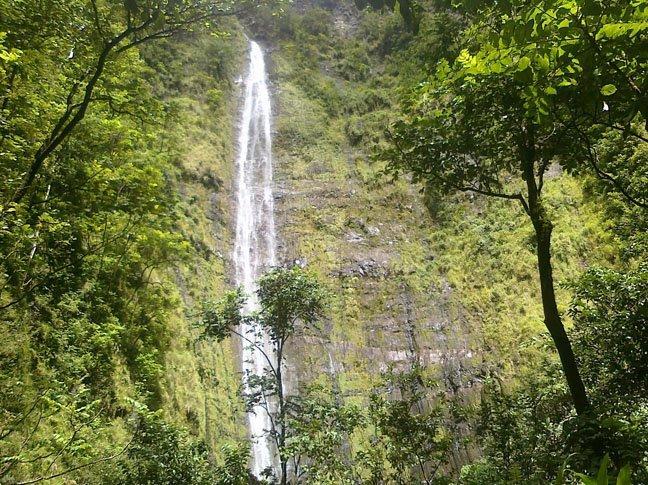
(163, 454)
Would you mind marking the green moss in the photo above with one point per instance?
(202, 378)
(463, 270)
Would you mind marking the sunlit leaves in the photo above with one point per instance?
(562, 45)
(540, 64)
(289, 296)
(616, 30)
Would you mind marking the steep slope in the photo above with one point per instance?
(104, 377)
(447, 285)
(202, 377)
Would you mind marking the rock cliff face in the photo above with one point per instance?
(372, 242)
(362, 246)
(368, 239)
(450, 285)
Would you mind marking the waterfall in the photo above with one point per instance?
(255, 245)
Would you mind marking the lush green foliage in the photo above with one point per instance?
(408, 440)
(161, 453)
(116, 153)
(532, 88)
(290, 302)
(475, 244)
(610, 309)
(92, 221)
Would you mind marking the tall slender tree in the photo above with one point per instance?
(290, 301)
(532, 83)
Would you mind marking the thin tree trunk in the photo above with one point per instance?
(283, 461)
(65, 125)
(552, 318)
(543, 229)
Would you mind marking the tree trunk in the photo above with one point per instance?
(552, 318)
(281, 438)
(70, 119)
(543, 228)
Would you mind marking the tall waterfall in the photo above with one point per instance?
(255, 245)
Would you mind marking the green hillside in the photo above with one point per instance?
(426, 154)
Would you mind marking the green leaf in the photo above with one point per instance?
(9, 56)
(608, 90)
(601, 476)
(543, 62)
(586, 480)
(615, 30)
(523, 63)
(624, 476)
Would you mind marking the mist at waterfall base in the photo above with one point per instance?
(255, 244)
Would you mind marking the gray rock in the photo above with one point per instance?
(354, 237)
(368, 268)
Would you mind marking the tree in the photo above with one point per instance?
(57, 59)
(587, 57)
(290, 301)
(234, 470)
(321, 426)
(396, 436)
(470, 136)
(524, 93)
(163, 454)
(410, 428)
(469, 133)
(88, 37)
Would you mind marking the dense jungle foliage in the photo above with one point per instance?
(100, 379)
(520, 126)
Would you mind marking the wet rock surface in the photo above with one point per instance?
(371, 243)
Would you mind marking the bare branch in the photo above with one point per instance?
(517, 196)
(592, 157)
(615, 182)
(258, 347)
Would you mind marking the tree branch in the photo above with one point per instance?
(615, 182)
(79, 467)
(519, 197)
(603, 175)
(256, 346)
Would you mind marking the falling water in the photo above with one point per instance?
(255, 245)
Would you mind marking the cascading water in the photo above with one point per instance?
(255, 245)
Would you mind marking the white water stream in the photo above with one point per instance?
(255, 244)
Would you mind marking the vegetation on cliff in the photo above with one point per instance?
(463, 96)
(115, 144)
(464, 182)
